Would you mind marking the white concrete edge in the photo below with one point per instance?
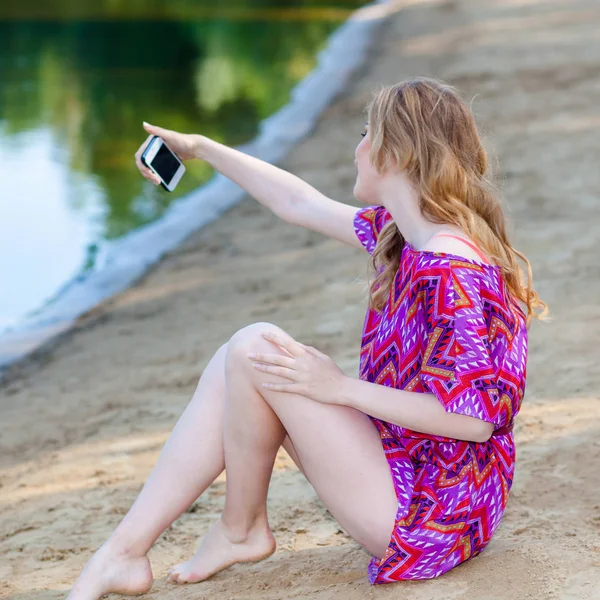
(127, 259)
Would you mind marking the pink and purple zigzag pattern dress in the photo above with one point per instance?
(450, 328)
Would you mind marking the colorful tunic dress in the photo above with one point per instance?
(450, 328)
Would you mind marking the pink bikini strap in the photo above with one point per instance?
(468, 242)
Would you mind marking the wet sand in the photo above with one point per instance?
(82, 424)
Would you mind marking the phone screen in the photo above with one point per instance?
(165, 164)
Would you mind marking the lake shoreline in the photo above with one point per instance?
(128, 258)
(84, 423)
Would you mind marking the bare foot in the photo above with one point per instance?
(217, 552)
(112, 571)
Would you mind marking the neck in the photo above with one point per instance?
(401, 200)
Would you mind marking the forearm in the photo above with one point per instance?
(413, 410)
(271, 186)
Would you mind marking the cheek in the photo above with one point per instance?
(367, 174)
(363, 147)
(366, 170)
(362, 157)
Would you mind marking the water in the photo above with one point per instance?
(79, 223)
(77, 78)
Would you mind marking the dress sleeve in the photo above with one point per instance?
(457, 366)
(368, 222)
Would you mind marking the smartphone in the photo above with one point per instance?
(160, 159)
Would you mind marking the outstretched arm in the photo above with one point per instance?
(288, 196)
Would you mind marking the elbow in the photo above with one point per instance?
(289, 208)
(482, 431)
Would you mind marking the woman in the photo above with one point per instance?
(420, 448)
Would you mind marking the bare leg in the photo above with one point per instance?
(195, 452)
(252, 435)
(190, 461)
(340, 451)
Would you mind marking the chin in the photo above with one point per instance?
(357, 192)
(362, 195)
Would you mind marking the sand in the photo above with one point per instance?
(82, 424)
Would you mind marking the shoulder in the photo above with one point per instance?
(453, 280)
(376, 216)
(450, 245)
(368, 223)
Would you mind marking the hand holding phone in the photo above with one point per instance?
(162, 161)
(155, 157)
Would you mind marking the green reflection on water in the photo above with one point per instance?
(92, 72)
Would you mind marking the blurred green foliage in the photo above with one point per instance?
(91, 72)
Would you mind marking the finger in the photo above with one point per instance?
(287, 342)
(146, 172)
(138, 155)
(274, 359)
(159, 131)
(281, 371)
(143, 146)
(153, 177)
(313, 351)
(149, 174)
(282, 387)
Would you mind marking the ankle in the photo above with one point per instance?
(239, 531)
(121, 547)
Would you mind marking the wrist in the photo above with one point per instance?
(201, 147)
(345, 395)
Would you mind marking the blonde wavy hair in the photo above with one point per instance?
(423, 127)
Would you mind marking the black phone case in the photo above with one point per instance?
(143, 159)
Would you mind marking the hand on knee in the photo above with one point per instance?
(249, 339)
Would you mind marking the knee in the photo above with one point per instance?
(249, 339)
(221, 354)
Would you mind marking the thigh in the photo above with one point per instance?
(339, 450)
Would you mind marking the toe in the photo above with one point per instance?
(175, 571)
(172, 576)
(185, 576)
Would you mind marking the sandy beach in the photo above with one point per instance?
(82, 424)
